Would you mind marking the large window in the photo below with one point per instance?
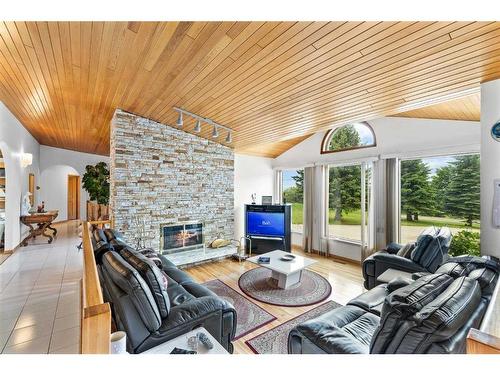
(349, 193)
(440, 191)
(293, 193)
(348, 137)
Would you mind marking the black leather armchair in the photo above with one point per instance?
(427, 254)
(153, 306)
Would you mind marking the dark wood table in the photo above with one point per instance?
(39, 223)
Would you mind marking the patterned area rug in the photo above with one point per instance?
(258, 284)
(275, 341)
(250, 316)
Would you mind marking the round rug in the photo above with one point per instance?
(258, 284)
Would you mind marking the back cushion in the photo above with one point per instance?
(405, 302)
(437, 250)
(133, 285)
(438, 320)
(453, 269)
(153, 276)
(406, 250)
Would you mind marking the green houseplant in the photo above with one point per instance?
(465, 242)
(96, 182)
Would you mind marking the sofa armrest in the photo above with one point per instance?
(195, 309)
(384, 261)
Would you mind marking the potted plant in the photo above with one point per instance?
(96, 182)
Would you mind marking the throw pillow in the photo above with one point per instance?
(406, 250)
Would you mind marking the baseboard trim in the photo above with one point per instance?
(333, 256)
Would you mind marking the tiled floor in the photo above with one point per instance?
(40, 296)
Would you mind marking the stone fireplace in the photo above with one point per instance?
(163, 177)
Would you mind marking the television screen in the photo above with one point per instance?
(266, 223)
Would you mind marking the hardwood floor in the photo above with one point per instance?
(346, 280)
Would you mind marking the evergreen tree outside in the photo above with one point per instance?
(416, 193)
(440, 188)
(463, 194)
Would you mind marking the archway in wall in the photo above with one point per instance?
(55, 189)
(2, 202)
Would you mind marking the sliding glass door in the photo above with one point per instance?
(349, 215)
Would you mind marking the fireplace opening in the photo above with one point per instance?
(175, 238)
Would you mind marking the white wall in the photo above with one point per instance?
(490, 166)
(14, 141)
(55, 166)
(396, 137)
(252, 174)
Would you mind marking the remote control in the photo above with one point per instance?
(205, 341)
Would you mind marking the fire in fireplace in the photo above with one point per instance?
(181, 237)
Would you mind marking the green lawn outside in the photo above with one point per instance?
(354, 218)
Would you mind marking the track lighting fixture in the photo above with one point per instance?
(200, 120)
(179, 120)
(197, 127)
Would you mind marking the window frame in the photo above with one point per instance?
(327, 138)
(366, 225)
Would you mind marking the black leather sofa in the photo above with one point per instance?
(425, 255)
(431, 314)
(154, 305)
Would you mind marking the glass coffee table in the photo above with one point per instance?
(285, 272)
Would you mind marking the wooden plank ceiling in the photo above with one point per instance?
(272, 82)
(465, 109)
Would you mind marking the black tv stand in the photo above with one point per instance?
(262, 243)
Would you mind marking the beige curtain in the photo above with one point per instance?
(278, 187)
(315, 234)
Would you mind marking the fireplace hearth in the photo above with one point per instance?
(175, 238)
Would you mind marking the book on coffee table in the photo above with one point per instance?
(264, 260)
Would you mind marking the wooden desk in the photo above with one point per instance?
(43, 222)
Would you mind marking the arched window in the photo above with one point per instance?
(348, 137)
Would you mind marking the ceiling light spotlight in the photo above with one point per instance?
(197, 126)
(229, 137)
(215, 132)
(179, 120)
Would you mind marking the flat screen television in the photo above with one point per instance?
(266, 223)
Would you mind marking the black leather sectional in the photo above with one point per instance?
(431, 314)
(152, 304)
(425, 255)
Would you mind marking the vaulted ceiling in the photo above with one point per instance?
(274, 83)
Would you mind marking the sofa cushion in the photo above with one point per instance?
(405, 302)
(438, 320)
(153, 276)
(423, 241)
(345, 330)
(128, 279)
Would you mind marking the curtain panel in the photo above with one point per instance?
(315, 234)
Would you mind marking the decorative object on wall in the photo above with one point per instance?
(96, 182)
(26, 160)
(495, 131)
(199, 120)
(26, 204)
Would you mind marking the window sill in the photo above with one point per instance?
(345, 240)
